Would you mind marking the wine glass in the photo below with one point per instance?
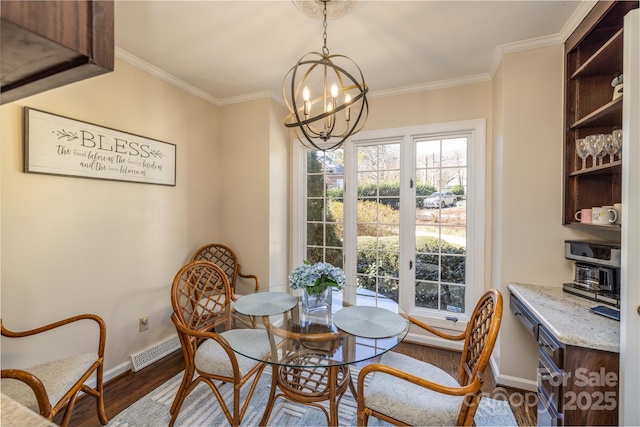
(600, 151)
(609, 146)
(582, 150)
(617, 142)
(592, 147)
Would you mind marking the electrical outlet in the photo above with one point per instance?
(144, 323)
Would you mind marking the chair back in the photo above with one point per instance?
(222, 256)
(481, 334)
(200, 296)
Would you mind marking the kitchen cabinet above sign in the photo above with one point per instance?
(47, 44)
(593, 107)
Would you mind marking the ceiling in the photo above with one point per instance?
(231, 51)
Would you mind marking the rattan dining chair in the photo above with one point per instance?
(405, 391)
(225, 258)
(49, 387)
(201, 299)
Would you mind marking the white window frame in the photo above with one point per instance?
(475, 130)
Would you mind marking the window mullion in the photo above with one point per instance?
(407, 218)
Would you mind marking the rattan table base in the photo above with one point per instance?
(307, 380)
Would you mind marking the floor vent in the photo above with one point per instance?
(154, 353)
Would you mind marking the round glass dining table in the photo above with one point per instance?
(311, 352)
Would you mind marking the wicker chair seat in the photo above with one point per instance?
(410, 403)
(212, 359)
(58, 377)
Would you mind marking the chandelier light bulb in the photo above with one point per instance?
(334, 90)
(307, 104)
(347, 100)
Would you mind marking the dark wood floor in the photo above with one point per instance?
(123, 391)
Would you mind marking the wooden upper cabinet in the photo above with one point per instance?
(47, 44)
(594, 55)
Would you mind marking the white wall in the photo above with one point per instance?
(74, 245)
(254, 197)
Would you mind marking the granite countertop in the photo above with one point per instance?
(568, 317)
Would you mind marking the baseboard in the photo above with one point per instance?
(511, 381)
(149, 356)
(110, 374)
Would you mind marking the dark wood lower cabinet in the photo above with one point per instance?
(581, 391)
(577, 386)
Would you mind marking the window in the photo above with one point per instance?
(404, 208)
(324, 207)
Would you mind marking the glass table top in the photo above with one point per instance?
(360, 325)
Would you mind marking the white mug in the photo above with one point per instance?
(618, 208)
(604, 215)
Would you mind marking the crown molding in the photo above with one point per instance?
(477, 78)
(248, 97)
(578, 15)
(152, 69)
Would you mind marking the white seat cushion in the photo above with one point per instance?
(57, 377)
(212, 359)
(408, 402)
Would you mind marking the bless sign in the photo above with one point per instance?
(61, 146)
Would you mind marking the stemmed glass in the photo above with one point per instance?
(582, 150)
(609, 146)
(600, 151)
(617, 142)
(592, 147)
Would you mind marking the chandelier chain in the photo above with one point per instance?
(325, 49)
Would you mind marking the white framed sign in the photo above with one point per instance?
(58, 145)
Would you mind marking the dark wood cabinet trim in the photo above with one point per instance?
(53, 43)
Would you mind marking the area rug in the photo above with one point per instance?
(200, 408)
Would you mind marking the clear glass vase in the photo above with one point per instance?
(316, 302)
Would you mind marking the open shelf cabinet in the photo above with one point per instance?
(594, 57)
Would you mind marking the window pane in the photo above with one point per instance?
(334, 257)
(367, 184)
(389, 288)
(427, 295)
(331, 236)
(454, 240)
(454, 152)
(452, 298)
(315, 233)
(315, 208)
(314, 255)
(367, 158)
(315, 186)
(389, 156)
(453, 269)
(366, 261)
(428, 154)
(427, 267)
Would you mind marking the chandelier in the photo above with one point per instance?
(326, 96)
